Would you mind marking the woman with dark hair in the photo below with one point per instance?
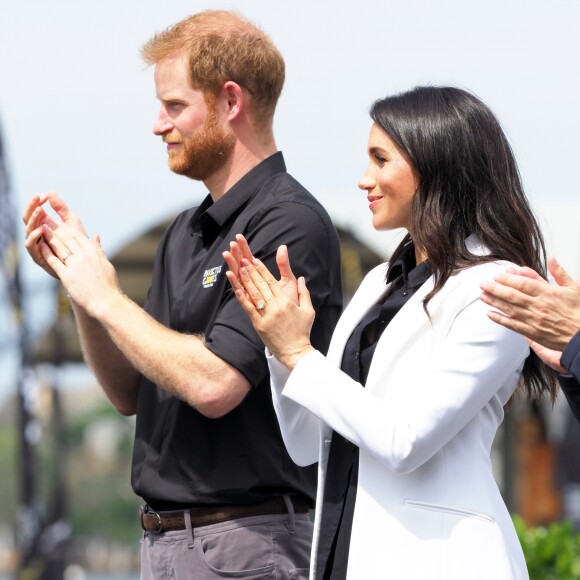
(406, 488)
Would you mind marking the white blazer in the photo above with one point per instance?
(427, 504)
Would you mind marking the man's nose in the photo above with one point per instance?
(162, 125)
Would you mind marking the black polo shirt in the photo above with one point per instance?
(182, 458)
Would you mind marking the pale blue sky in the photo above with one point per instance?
(77, 105)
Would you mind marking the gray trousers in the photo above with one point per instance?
(273, 547)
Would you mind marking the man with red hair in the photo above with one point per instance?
(222, 495)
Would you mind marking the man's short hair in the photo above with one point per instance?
(224, 46)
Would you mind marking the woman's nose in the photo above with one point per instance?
(366, 182)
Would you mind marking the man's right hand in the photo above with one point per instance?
(35, 217)
(548, 314)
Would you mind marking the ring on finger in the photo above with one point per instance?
(66, 257)
(261, 305)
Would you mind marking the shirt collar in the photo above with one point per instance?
(210, 217)
(405, 266)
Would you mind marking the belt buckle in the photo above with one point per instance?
(146, 510)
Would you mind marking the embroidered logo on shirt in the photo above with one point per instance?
(210, 276)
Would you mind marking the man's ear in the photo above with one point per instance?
(232, 99)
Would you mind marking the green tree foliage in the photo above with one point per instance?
(9, 471)
(99, 501)
(552, 552)
(102, 503)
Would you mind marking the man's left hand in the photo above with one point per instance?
(82, 266)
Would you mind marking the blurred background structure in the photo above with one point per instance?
(77, 107)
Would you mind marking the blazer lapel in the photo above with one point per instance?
(399, 334)
(402, 331)
(367, 295)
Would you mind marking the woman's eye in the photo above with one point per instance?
(380, 160)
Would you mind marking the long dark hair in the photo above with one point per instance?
(469, 183)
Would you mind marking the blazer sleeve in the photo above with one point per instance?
(571, 388)
(299, 427)
(571, 356)
(441, 393)
(571, 385)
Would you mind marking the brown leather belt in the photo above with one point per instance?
(158, 522)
